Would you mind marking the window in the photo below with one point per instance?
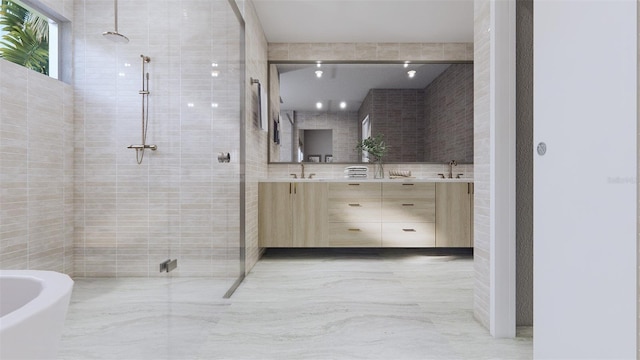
(28, 38)
(366, 133)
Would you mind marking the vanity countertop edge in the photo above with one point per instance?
(385, 180)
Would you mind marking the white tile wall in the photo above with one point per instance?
(481, 161)
(180, 202)
(336, 171)
(256, 139)
(36, 171)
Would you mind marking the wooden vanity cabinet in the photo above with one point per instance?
(454, 214)
(408, 214)
(365, 214)
(354, 214)
(292, 214)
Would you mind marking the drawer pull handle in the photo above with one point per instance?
(354, 205)
(354, 229)
(407, 184)
(407, 204)
(354, 184)
(409, 230)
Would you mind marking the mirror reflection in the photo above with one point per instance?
(321, 111)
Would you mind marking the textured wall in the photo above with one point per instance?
(482, 161)
(524, 161)
(370, 51)
(345, 131)
(449, 115)
(398, 114)
(180, 202)
(36, 166)
(336, 171)
(256, 143)
(36, 171)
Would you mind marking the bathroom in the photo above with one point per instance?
(74, 198)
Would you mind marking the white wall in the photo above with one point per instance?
(585, 255)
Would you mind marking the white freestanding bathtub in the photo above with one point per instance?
(33, 305)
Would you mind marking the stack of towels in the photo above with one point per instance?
(355, 172)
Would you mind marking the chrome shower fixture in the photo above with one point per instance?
(145, 113)
(115, 36)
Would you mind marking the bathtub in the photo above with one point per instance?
(33, 305)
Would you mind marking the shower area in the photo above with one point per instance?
(162, 181)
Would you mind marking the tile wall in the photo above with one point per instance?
(449, 113)
(180, 202)
(256, 139)
(36, 171)
(344, 125)
(36, 166)
(336, 171)
(482, 161)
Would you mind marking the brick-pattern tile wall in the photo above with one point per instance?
(449, 115)
(398, 114)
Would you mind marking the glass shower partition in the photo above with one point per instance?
(200, 158)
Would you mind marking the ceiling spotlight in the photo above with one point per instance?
(214, 64)
(318, 105)
(319, 63)
(406, 64)
(318, 73)
(343, 105)
(412, 73)
(215, 73)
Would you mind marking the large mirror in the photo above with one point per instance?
(319, 111)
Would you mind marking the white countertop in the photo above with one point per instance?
(386, 180)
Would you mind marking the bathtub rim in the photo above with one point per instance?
(55, 286)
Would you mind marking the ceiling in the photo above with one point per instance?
(301, 89)
(366, 20)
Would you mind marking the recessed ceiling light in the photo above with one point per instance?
(318, 105)
(214, 64)
(318, 73)
(412, 73)
(215, 73)
(406, 64)
(343, 105)
(214, 105)
(319, 63)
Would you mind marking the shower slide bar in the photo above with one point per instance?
(145, 113)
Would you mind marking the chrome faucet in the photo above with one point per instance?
(302, 174)
(452, 163)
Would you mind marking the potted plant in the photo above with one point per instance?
(376, 149)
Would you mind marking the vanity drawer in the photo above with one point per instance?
(407, 190)
(349, 210)
(408, 234)
(354, 235)
(354, 190)
(408, 210)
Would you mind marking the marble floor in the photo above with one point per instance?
(295, 304)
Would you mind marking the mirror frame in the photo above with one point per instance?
(351, 62)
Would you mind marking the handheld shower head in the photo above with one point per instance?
(115, 36)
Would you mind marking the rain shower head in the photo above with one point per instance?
(115, 36)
